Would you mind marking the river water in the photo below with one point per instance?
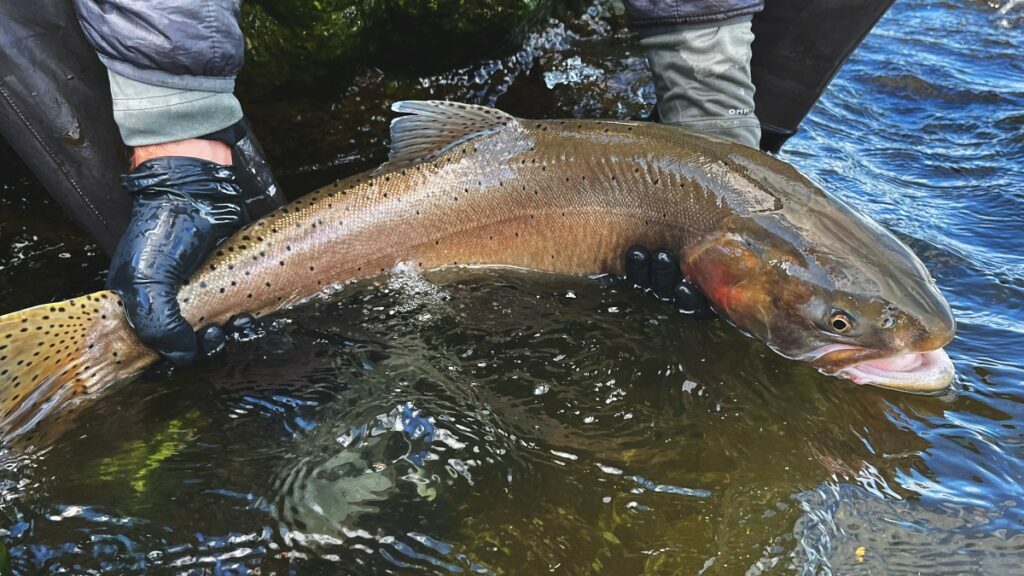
(482, 421)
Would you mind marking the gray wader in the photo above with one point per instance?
(750, 79)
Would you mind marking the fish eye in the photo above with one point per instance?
(840, 321)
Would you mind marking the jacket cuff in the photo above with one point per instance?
(670, 15)
(149, 114)
(156, 77)
(659, 29)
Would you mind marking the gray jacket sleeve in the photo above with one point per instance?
(184, 44)
(171, 63)
(644, 13)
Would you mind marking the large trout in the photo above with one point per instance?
(468, 185)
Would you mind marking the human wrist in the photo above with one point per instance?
(209, 150)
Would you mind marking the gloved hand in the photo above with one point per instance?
(661, 275)
(213, 338)
(182, 207)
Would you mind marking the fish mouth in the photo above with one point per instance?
(928, 371)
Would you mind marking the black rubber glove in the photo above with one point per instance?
(182, 207)
(661, 275)
(213, 338)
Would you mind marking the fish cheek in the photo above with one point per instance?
(761, 298)
(727, 271)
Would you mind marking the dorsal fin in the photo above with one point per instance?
(433, 127)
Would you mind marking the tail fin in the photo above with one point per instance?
(56, 355)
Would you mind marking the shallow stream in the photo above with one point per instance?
(484, 422)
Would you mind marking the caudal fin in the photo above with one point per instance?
(56, 355)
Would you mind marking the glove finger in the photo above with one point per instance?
(243, 324)
(154, 313)
(691, 301)
(211, 340)
(638, 266)
(665, 274)
(240, 323)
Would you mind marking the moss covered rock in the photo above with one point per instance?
(308, 42)
(304, 41)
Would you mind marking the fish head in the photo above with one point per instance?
(827, 286)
